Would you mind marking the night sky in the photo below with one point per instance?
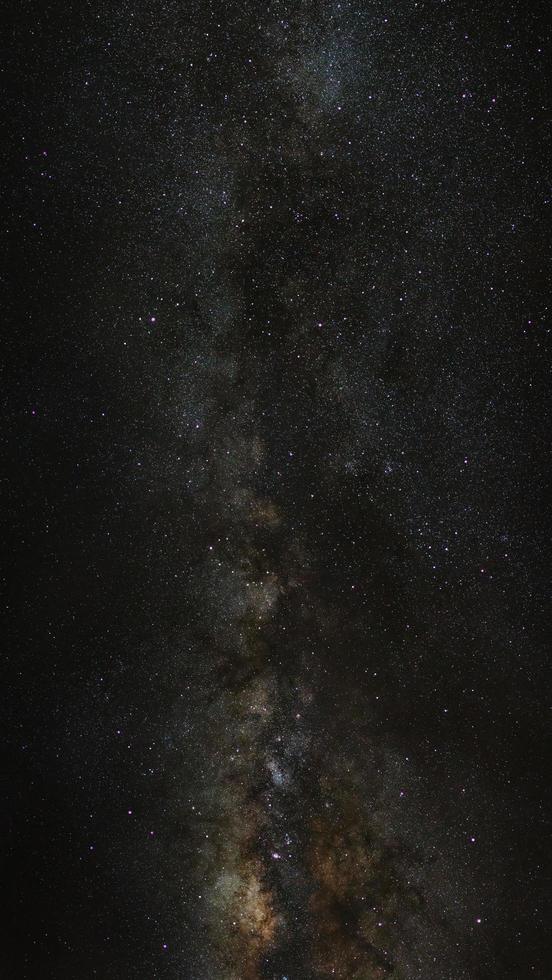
(277, 356)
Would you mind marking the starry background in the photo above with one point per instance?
(277, 427)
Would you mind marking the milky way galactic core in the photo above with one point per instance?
(280, 550)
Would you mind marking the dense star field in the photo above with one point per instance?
(278, 344)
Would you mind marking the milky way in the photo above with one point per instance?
(281, 449)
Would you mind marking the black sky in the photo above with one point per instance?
(277, 429)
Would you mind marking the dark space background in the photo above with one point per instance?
(277, 339)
